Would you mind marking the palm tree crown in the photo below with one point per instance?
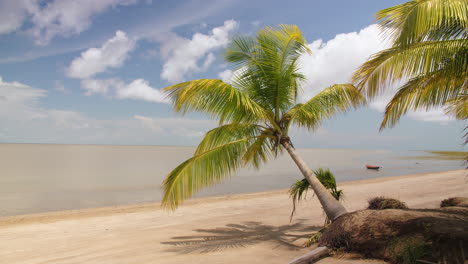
(255, 109)
(429, 53)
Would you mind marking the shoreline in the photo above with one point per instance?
(195, 146)
(54, 216)
(241, 228)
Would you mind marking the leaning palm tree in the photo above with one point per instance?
(429, 54)
(255, 110)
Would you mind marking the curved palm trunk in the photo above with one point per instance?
(331, 206)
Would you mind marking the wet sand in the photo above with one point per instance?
(244, 228)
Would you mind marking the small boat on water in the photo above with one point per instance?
(370, 167)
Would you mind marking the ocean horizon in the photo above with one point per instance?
(53, 177)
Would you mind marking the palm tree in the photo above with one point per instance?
(429, 53)
(255, 110)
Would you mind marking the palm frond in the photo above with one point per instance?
(296, 192)
(268, 64)
(425, 20)
(202, 170)
(257, 153)
(227, 133)
(326, 178)
(394, 64)
(335, 99)
(425, 92)
(261, 150)
(458, 106)
(430, 49)
(216, 98)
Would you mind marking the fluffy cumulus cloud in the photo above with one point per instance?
(184, 56)
(138, 89)
(23, 119)
(335, 61)
(111, 54)
(225, 75)
(55, 18)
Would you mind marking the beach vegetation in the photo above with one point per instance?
(255, 108)
(298, 189)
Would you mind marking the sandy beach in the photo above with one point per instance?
(246, 228)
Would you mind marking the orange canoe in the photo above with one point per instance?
(370, 167)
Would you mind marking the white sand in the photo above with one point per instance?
(248, 228)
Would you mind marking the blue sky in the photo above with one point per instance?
(91, 72)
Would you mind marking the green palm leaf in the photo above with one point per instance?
(269, 65)
(399, 63)
(227, 133)
(204, 169)
(261, 150)
(421, 20)
(426, 92)
(430, 52)
(298, 189)
(217, 98)
(459, 106)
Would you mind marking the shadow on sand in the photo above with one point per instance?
(241, 235)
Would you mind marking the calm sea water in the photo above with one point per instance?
(41, 178)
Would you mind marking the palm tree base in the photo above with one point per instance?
(403, 236)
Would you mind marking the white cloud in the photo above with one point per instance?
(68, 17)
(334, 62)
(23, 119)
(148, 122)
(153, 28)
(111, 54)
(18, 99)
(225, 75)
(138, 89)
(433, 115)
(95, 86)
(13, 14)
(184, 56)
(20, 106)
(55, 18)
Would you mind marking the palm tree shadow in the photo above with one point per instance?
(241, 235)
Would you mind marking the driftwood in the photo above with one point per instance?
(312, 256)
